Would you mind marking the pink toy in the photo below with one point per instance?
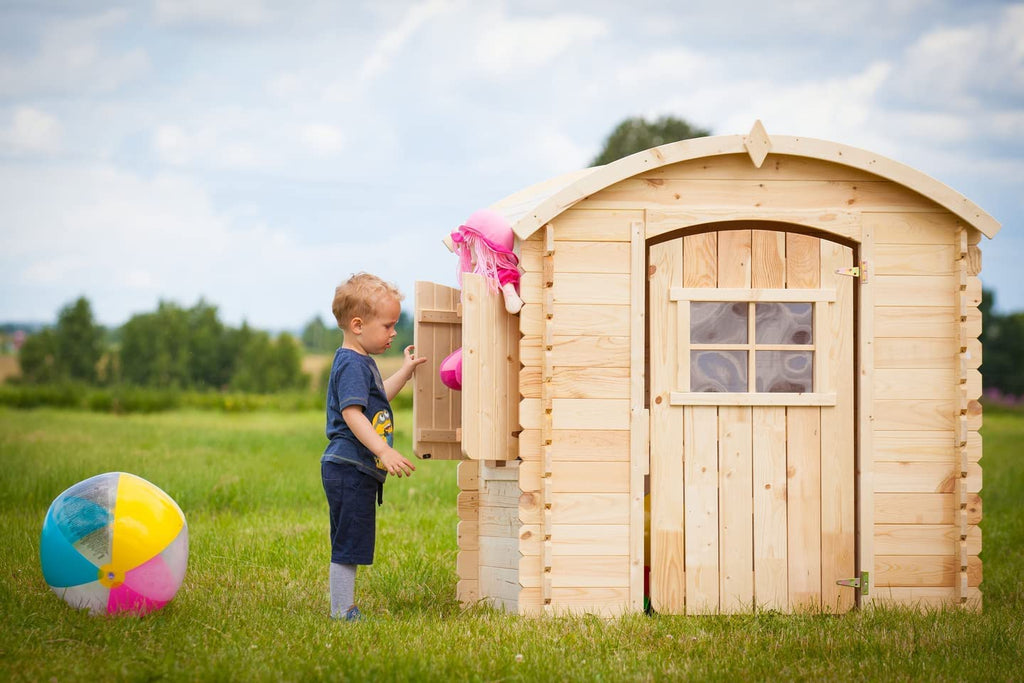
(484, 245)
(451, 370)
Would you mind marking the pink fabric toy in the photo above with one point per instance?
(484, 245)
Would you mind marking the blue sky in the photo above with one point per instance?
(257, 152)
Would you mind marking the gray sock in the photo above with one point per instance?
(343, 588)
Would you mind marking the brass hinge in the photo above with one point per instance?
(861, 583)
(860, 271)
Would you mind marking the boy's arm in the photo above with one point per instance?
(394, 383)
(393, 461)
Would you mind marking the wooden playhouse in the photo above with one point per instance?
(763, 349)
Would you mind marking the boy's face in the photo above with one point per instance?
(374, 334)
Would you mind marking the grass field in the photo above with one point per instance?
(254, 602)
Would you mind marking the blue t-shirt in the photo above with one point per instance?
(355, 381)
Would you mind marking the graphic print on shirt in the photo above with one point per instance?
(383, 425)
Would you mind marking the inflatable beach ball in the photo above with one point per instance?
(114, 543)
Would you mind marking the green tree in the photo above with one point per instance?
(286, 363)
(403, 334)
(78, 341)
(636, 134)
(211, 358)
(317, 337)
(1002, 338)
(265, 365)
(38, 358)
(154, 348)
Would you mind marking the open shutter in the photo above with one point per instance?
(436, 409)
(490, 374)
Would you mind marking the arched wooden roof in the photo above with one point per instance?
(529, 209)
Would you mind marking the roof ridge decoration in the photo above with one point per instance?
(757, 143)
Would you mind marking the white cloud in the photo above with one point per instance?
(229, 139)
(322, 139)
(72, 58)
(385, 50)
(974, 67)
(138, 278)
(830, 108)
(32, 131)
(288, 85)
(173, 145)
(661, 68)
(507, 46)
(242, 13)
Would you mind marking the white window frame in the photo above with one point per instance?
(819, 300)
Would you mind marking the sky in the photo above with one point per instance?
(255, 153)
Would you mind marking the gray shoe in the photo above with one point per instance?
(353, 614)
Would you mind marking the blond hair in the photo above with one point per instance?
(359, 296)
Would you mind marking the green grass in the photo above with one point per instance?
(254, 602)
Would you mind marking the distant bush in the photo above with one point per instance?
(42, 395)
(128, 399)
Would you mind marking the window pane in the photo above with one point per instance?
(783, 323)
(718, 323)
(785, 371)
(718, 371)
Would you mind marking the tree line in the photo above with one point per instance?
(177, 348)
(1002, 340)
(169, 348)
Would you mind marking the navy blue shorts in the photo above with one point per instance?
(352, 499)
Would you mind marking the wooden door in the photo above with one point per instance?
(752, 423)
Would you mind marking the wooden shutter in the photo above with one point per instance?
(436, 409)
(490, 374)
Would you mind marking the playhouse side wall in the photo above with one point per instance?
(927, 448)
(575, 415)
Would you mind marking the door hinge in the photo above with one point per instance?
(860, 271)
(861, 583)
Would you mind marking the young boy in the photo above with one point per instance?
(359, 427)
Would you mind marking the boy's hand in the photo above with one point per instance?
(396, 463)
(411, 359)
(394, 383)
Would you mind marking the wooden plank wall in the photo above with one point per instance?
(927, 475)
(499, 528)
(488, 534)
(575, 415)
(467, 563)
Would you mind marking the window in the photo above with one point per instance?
(757, 347)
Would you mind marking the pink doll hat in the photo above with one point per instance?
(491, 227)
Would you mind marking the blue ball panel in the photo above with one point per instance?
(62, 564)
